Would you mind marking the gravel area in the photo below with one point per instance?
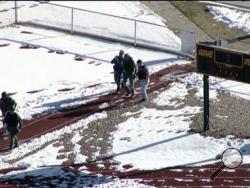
(97, 137)
(228, 116)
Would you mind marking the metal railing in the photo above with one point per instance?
(105, 26)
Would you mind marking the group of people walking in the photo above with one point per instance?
(126, 69)
(12, 122)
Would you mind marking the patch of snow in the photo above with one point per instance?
(184, 180)
(79, 157)
(177, 91)
(232, 17)
(46, 156)
(124, 183)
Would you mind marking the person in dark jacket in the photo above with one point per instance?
(118, 69)
(143, 76)
(130, 71)
(14, 124)
(7, 103)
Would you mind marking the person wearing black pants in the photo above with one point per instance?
(14, 124)
(118, 69)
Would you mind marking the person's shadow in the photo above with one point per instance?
(245, 150)
(53, 177)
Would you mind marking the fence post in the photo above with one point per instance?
(72, 20)
(135, 32)
(15, 12)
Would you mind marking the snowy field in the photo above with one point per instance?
(108, 26)
(153, 139)
(232, 17)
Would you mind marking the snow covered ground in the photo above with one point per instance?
(153, 139)
(108, 26)
(232, 17)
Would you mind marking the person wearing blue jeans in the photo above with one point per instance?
(130, 89)
(143, 76)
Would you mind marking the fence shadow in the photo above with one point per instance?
(68, 101)
(161, 61)
(142, 147)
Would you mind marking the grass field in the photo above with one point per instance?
(199, 15)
